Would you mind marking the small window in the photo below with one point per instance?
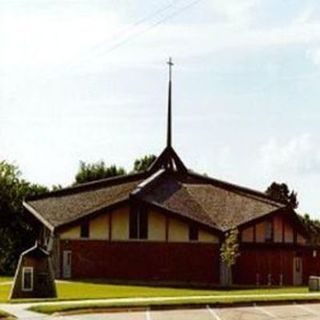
(138, 223)
(27, 278)
(269, 231)
(193, 233)
(84, 232)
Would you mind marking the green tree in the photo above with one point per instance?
(143, 163)
(17, 229)
(56, 187)
(229, 252)
(281, 192)
(312, 227)
(95, 171)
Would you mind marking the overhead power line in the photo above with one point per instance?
(138, 23)
(133, 33)
(157, 23)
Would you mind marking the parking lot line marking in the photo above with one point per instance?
(268, 313)
(213, 313)
(148, 315)
(309, 310)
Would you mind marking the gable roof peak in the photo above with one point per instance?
(169, 161)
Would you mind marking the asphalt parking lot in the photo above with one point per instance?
(292, 311)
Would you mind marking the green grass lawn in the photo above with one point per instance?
(4, 292)
(5, 279)
(78, 290)
(6, 316)
(86, 290)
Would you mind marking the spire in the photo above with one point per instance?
(169, 129)
(168, 159)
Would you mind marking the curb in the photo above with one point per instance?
(189, 306)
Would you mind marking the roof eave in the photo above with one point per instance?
(37, 215)
(84, 186)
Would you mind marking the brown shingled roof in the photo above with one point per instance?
(61, 207)
(212, 205)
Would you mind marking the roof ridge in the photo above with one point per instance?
(204, 210)
(169, 160)
(245, 191)
(94, 184)
(148, 181)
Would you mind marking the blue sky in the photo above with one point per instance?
(87, 80)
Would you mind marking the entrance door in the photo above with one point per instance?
(66, 264)
(297, 271)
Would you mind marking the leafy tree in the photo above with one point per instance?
(312, 227)
(17, 230)
(56, 187)
(229, 252)
(142, 164)
(281, 192)
(95, 171)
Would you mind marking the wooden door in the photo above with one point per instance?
(66, 264)
(297, 271)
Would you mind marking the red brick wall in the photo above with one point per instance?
(187, 262)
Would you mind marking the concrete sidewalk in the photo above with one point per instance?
(20, 311)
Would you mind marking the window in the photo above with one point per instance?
(193, 233)
(138, 223)
(84, 231)
(27, 278)
(268, 231)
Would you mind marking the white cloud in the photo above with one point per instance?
(314, 55)
(37, 38)
(239, 12)
(298, 156)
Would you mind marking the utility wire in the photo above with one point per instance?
(139, 22)
(133, 35)
(129, 38)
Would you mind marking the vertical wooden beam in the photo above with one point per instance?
(254, 233)
(110, 226)
(167, 228)
(283, 230)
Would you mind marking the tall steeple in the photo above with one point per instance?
(168, 159)
(169, 128)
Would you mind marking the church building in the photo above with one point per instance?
(167, 224)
